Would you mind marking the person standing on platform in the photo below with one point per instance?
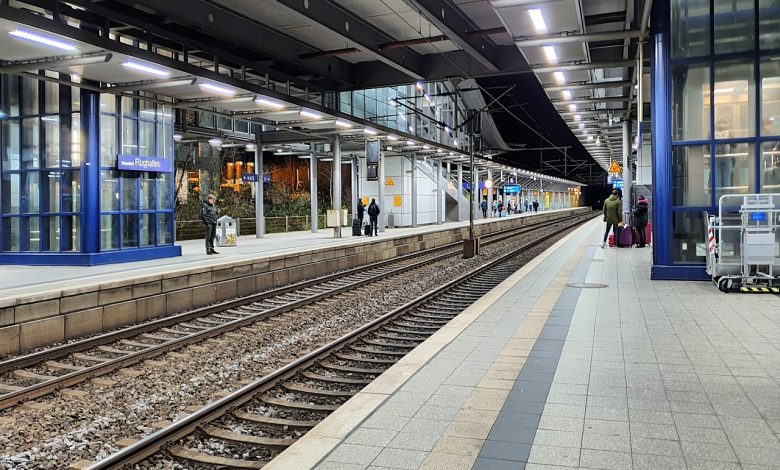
(361, 209)
(613, 216)
(536, 205)
(209, 215)
(526, 205)
(373, 215)
(484, 206)
(640, 219)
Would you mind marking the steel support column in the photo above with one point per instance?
(627, 173)
(414, 190)
(354, 179)
(313, 186)
(439, 208)
(459, 190)
(336, 203)
(489, 192)
(259, 209)
(382, 221)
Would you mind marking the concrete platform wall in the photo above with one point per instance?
(39, 320)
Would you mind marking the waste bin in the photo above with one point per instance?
(227, 233)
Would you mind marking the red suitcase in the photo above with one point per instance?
(611, 240)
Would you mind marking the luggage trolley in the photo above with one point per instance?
(743, 241)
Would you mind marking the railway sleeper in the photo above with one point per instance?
(111, 350)
(350, 369)
(391, 344)
(9, 388)
(267, 420)
(370, 360)
(404, 336)
(62, 366)
(297, 405)
(409, 330)
(23, 374)
(340, 380)
(408, 324)
(182, 453)
(386, 352)
(156, 337)
(137, 344)
(88, 358)
(246, 438)
(316, 391)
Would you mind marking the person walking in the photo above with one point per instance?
(536, 205)
(613, 216)
(373, 214)
(208, 215)
(640, 219)
(361, 209)
(484, 206)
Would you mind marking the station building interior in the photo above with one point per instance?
(119, 117)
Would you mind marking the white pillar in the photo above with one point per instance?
(382, 221)
(354, 179)
(476, 195)
(460, 193)
(259, 216)
(414, 190)
(336, 203)
(439, 208)
(313, 186)
(490, 193)
(627, 176)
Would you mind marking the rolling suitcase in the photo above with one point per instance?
(367, 230)
(648, 233)
(355, 227)
(611, 240)
(626, 237)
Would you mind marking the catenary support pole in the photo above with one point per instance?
(414, 190)
(259, 209)
(336, 203)
(313, 186)
(459, 192)
(627, 176)
(354, 179)
(382, 221)
(439, 209)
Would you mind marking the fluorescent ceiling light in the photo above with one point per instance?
(590, 137)
(177, 137)
(217, 89)
(559, 77)
(251, 147)
(343, 123)
(409, 142)
(310, 114)
(369, 131)
(269, 102)
(538, 20)
(215, 142)
(447, 129)
(577, 117)
(391, 137)
(146, 69)
(549, 52)
(572, 107)
(724, 90)
(419, 85)
(41, 39)
(426, 147)
(566, 94)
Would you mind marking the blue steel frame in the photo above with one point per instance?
(664, 266)
(90, 246)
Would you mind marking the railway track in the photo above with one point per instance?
(44, 372)
(249, 427)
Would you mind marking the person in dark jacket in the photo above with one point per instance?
(640, 219)
(536, 205)
(361, 209)
(373, 215)
(484, 206)
(613, 216)
(209, 215)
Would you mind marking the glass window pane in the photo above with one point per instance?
(11, 234)
(51, 97)
(734, 26)
(129, 230)
(146, 109)
(734, 169)
(161, 139)
(52, 188)
(224, 123)
(107, 103)
(11, 138)
(108, 141)
(75, 142)
(688, 237)
(30, 143)
(75, 100)
(51, 131)
(242, 126)
(769, 24)
(129, 136)
(770, 97)
(71, 233)
(205, 120)
(164, 228)
(30, 197)
(148, 192)
(109, 190)
(129, 107)
(31, 230)
(109, 232)
(691, 181)
(164, 191)
(11, 106)
(691, 102)
(735, 103)
(770, 167)
(148, 229)
(146, 144)
(29, 96)
(11, 188)
(129, 191)
(52, 241)
(71, 191)
(690, 28)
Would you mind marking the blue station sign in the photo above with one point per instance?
(512, 189)
(136, 163)
(249, 177)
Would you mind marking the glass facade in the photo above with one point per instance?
(45, 177)
(724, 109)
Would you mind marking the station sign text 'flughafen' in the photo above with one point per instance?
(136, 163)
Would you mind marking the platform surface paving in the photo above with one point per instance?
(636, 374)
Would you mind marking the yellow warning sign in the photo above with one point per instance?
(397, 201)
(615, 168)
(389, 181)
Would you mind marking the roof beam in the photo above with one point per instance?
(367, 38)
(554, 39)
(589, 86)
(448, 18)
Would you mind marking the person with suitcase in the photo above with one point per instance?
(613, 216)
(373, 215)
(640, 220)
(361, 209)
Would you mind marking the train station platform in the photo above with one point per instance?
(577, 360)
(41, 305)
